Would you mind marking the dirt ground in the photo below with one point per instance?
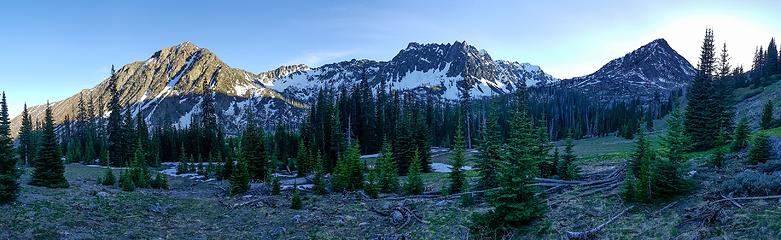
(193, 209)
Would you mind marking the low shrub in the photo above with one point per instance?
(753, 184)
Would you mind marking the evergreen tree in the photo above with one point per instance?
(49, 170)
(542, 150)
(766, 122)
(638, 181)
(126, 182)
(489, 151)
(388, 173)
(372, 188)
(348, 175)
(275, 186)
(139, 170)
(414, 185)
(675, 142)
(239, 181)
(295, 201)
(771, 59)
(108, 178)
(9, 187)
(253, 149)
(740, 140)
(114, 127)
(26, 148)
(515, 203)
(317, 180)
(566, 169)
(302, 159)
(700, 121)
(760, 149)
(457, 178)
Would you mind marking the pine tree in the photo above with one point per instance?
(317, 180)
(26, 148)
(760, 149)
(353, 156)
(740, 140)
(771, 59)
(766, 122)
(414, 185)
(457, 178)
(566, 169)
(239, 181)
(114, 127)
(514, 203)
(275, 186)
(108, 178)
(253, 149)
(372, 188)
(302, 159)
(49, 170)
(700, 122)
(489, 151)
(542, 150)
(9, 187)
(139, 170)
(675, 142)
(388, 173)
(126, 182)
(295, 201)
(638, 182)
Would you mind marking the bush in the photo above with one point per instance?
(770, 166)
(753, 184)
(275, 188)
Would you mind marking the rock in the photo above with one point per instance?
(397, 217)
(442, 203)
(157, 208)
(278, 231)
(103, 194)
(348, 218)
(363, 224)
(297, 218)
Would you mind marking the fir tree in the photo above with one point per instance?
(414, 185)
(675, 142)
(542, 150)
(49, 170)
(566, 168)
(638, 181)
(9, 187)
(760, 149)
(239, 181)
(372, 188)
(227, 168)
(457, 178)
(108, 178)
(388, 177)
(126, 182)
(275, 186)
(740, 140)
(317, 180)
(489, 151)
(302, 159)
(114, 128)
(700, 121)
(26, 148)
(514, 203)
(295, 201)
(766, 122)
(253, 149)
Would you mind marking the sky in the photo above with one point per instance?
(49, 50)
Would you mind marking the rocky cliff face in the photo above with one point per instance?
(655, 67)
(167, 87)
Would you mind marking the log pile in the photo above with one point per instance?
(595, 185)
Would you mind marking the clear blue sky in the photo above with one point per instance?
(52, 49)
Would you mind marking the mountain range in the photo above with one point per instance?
(166, 88)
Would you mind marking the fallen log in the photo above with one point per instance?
(732, 201)
(591, 232)
(748, 198)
